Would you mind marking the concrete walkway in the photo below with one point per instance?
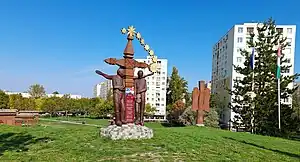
(69, 122)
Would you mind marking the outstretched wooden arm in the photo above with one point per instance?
(148, 75)
(136, 77)
(104, 75)
(111, 61)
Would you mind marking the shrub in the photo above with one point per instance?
(211, 119)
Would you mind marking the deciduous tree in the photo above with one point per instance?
(36, 91)
(4, 100)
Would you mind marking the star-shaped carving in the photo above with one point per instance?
(131, 31)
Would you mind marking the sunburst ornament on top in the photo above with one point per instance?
(132, 33)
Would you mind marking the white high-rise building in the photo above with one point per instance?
(226, 53)
(156, 86)
(102, 89)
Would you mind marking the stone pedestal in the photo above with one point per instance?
(124, 132)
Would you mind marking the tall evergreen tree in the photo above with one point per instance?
(177, 89)
(264, 105)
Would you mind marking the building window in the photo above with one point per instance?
(288, 60)
(279, 30)
(163, 83)
(289, 30)
(240, 30)
(289, 41)
(163, 89)
(162, 104)
(239, 59)
(250, 30)
(152, 99)
(286, 100)
(240, 39)
(287, 71)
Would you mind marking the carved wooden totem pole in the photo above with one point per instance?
(128, 64)
(200, 101)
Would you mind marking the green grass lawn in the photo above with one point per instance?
(54, 141)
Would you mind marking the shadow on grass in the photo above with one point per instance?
(295, 138)
(18, 141)
(263, 147)
(172, 124)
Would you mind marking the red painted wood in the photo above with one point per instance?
(129, 108)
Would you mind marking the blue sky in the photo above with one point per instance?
(59, 43)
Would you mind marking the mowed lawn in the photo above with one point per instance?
(56, 141)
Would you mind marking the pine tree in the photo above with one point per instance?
(177, 88)
(264, 107)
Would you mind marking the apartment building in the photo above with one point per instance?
(226, 53)
(156, 86)
(102, 89)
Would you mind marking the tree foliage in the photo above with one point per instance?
(265, 102)
(36, 91)
(188, 117)
(211, 119)
(178, 88)
(28, 104)
(16, 101)
(149, 110)
(218, 103)
(4, 100)
(296, 108)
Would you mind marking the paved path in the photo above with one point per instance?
(69, 122)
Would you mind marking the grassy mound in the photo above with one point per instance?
(57, 141)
